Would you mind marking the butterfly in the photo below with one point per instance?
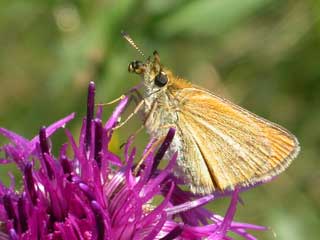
(220, 145)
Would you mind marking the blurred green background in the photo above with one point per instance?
(261, 54)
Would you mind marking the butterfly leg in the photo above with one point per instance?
(167, 126)
(135, 111)
(154, 145)
(146, 154)
(133, 135)
(111, 102)
(138, 96)
(131, 92)
(144, 122)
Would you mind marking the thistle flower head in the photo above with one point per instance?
(96, 194)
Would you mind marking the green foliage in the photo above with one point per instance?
(262, 54)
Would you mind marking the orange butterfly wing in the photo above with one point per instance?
(225, 145)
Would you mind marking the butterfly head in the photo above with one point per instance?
(154, 75)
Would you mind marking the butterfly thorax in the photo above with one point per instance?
(160, 108)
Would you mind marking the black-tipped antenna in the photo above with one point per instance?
(132, 43)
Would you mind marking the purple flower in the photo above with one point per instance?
(94, 194)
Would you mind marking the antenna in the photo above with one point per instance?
(132, 43)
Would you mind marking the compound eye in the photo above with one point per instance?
(161, 79)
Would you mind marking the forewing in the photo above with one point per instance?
(235, 146)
